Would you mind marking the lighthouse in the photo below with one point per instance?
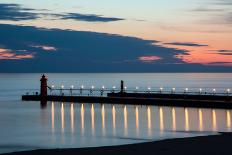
(43, 86)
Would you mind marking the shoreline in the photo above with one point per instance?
(213, 144)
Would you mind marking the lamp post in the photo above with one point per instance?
(161, 90)
(136, 89)
(61, 90)
(71, 90)
(228, 92)
(214, 91)
(114, 87)
(91, 90)
(173, 90)
(149, 89)
(52, 87)
(186, 90)
(81, 89)
(200, 91)
(102, 90)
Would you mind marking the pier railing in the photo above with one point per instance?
(92, 91)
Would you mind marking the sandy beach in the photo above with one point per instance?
(216, 144)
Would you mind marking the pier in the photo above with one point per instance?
(185, 98)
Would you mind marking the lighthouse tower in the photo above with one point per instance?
(43, 86)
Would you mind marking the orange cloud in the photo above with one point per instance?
(149, 58)
(6, 54)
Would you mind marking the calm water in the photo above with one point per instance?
(25, 126)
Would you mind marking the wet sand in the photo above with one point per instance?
(216, 144)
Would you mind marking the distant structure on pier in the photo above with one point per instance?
(43, 86)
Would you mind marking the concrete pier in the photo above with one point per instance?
(138, 98)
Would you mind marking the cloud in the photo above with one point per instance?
(224, 52)
(82, 51)
(6, 54)
(88, 17)
(15, 12)
(185, 44)
(45, 47)
(149, 58)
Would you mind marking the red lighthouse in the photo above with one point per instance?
(43, 86)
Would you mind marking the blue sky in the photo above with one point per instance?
(177, 35)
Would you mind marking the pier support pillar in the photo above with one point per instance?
(43, 86)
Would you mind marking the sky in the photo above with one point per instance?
(116, 36)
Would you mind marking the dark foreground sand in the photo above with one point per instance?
(208, 145)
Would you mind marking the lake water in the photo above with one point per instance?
(27, 126)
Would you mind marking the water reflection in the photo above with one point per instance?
(186, 119)
(173, 119)
(214, 120)
(125, 121)
(72, 117)
(62, 117)
(228, 119)
(133, 121)
(92, 119)
(103, 119)
(53, 117)
(149, 125)
(137, 120)
(114, 119)
(82, 119)
(201, 128)
(161, 119)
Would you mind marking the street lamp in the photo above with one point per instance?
(161, 89)
(71, 89)
(200, 90)
(186, 90)
(173, 90)
(214, 91)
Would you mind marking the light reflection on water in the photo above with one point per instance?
(135, 121)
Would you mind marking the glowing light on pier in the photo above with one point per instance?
(103, 119)
(114, 87)
(103, 87)
(228, 91)
(161, 116)
(136, 88)
(186, 90)
(53, 86)
(173, 90)
(137, 120)
(92, 87)
(72, 86)
(114, 119)
(125, 88)
(62, 86)
(92, 120)
(72, 117)
(53, 117)
(82, 119)
(82, 87)
(200, 120)
(214, 91)
(62, 117)
(228, 119)
(186, 119)
(149, 125)
(125, 121)
(173, 119)
(161, 89)
(214, 120)
(200, 90)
